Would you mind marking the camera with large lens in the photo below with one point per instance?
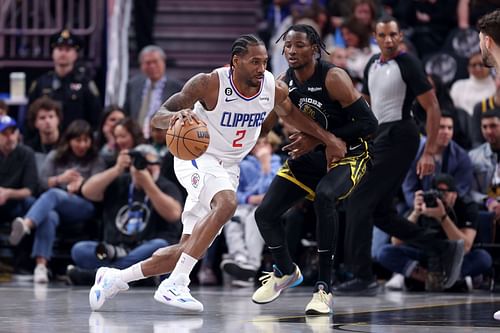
(107, 251)
(430, 197)
(138, 160)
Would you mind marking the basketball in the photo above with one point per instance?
(188, 141)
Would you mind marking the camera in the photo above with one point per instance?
(430, 197)
(138, 160)
(107, 251)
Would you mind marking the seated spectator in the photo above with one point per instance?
(105, 140)
(359, 49)
(487, 104)
(453, 219)
(127, 134)
(244, 242)
(18, 174)
(141, 213)
(450, 158)
(484, 158)
(44, 119)
(158, 140)
(147, 91)
(63, 173)
(480, 84)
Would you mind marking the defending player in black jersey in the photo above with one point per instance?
(326, 94)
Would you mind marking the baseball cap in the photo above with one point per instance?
(7, 122)
(65, 37)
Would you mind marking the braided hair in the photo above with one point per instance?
(240, 45)
(311, 33)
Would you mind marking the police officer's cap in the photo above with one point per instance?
(65, 38)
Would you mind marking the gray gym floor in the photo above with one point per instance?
(58, 308)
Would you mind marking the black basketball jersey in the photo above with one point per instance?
(311, 97)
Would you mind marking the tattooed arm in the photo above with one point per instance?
(201, 87)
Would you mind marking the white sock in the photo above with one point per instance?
(184, 265)
(133, 273)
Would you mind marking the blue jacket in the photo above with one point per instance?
(458, 165)
(252, 181)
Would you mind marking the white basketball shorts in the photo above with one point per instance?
(203, 178)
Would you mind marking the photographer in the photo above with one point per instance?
(140, 214)
(443, 210)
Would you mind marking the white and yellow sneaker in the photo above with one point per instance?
(273, 283)
(321, 302)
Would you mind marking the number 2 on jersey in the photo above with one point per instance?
(240, 134)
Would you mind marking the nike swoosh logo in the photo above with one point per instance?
(352, 148)
(284, 285)
(230, 99)
(292, 89)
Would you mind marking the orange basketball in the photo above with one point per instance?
(188, 141)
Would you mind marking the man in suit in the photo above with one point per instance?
(147, 91)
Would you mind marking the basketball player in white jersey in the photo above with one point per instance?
(235, 103)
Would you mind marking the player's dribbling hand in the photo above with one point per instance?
(185, 115)
(300, 144)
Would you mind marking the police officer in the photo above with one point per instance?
(68, 84)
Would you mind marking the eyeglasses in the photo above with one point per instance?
(478, 64)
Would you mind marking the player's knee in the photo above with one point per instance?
(261, 217)
(224, 206)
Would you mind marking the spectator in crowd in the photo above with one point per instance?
(4, 108)
(449, 158)
(45, 116)
(359, 49)
(490, 103)
(67, 83)
(158, 140)
(63, 173)
(127, 134)
(447, 213)
(105, 139)
(480, 84)
(147, 90)
(244, 242)
(141, 213)
(431, 21)
(486, 183)
(18, 174)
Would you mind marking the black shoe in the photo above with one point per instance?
(79, 276)
(357, 287)
(451, 260)
(238, 270)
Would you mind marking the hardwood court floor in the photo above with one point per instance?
(58, 308)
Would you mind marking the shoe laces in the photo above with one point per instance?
(322, 295)
(266, 277)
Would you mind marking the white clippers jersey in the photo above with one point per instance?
(234, 124)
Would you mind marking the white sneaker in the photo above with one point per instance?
(175, 292)
(321, 302)
(107, 285)
(397, 282)
(41, 274)
(18, 230)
